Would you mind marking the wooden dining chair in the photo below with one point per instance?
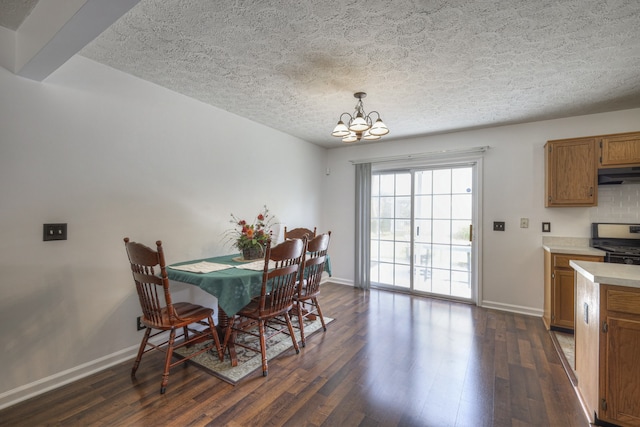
(159, 313)
(276, 299)
(306, 298)
(299, 233)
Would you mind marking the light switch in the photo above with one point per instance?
(54, 232)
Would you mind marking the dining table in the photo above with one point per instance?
(231, 279)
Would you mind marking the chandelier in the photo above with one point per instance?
(360, 125)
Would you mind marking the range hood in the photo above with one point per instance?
(619, 176)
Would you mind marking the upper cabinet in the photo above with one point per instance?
(620, 150)
(571, 166)
(571, 177)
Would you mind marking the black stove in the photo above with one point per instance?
(621, 242)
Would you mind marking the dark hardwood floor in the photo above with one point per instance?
(387, 360)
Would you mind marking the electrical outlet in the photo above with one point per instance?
(524, 222)
(498, 225)
(546, 227)
(54, 232)
(139, 324)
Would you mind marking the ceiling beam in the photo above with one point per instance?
(55, 31)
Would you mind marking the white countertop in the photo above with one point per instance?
(570, 245)
(609, 273)
(574, 250)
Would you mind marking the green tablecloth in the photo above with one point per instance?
(233, 287)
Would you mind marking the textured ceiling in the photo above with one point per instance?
(427, 66)
(13, 12)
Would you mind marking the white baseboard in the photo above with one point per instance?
(76, 373)
(337, 280)
(44, 385)
(512, 308)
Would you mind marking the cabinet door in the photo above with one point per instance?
(571, 178)
(587, 349)
(622, 370)
(548, 295)
(563, 310)
(620, 150)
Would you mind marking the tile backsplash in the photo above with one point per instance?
(565, 241)
(617, 203)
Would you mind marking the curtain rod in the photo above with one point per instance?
(431, 154)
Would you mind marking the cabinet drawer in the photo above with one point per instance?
(623, 301)
(562, 260)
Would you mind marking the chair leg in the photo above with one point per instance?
(167, 361)
(185, 337)
(301, 323)
(293, 336)
(263, 347)
(143, 344)
(317, 304)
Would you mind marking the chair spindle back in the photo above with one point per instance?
(314, 261)
(279, 283)
(152, 284)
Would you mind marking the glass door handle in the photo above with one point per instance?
(471, 232)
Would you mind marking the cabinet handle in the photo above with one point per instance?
(586, 313)
(590, 191)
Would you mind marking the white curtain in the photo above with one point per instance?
(362, 277)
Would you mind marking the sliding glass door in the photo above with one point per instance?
(421, 231)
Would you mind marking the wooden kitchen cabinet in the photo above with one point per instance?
(571, 177)
(587, 348)
(619, 150)
(563, 299)
(607, 351)
(619, 352)
(559, 289)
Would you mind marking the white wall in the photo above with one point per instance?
(512, 261)
(114, 156)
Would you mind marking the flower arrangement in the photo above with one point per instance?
(250, 238)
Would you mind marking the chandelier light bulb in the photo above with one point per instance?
(379, 128)
(358, 124)
(340, 130)
(352, 137)
(369, 136)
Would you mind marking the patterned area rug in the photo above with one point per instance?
(249, 361)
